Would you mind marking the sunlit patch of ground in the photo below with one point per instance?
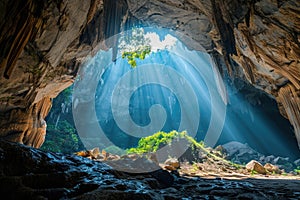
(207, 170)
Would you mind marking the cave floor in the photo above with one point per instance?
(205, 170)
(28, 173)
(209, 182)
(216, 186)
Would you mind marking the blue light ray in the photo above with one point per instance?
(244, 122)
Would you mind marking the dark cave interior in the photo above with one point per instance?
(219, 119)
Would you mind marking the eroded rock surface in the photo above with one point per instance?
(43, 44)
(29, 173)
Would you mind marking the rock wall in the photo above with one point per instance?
(44, 43)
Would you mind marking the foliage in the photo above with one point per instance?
(139, 53)
(133, 45)
(62, 139)
(195, 167)
(253, 172)
(154, 142)
(284, 174)
(297, 170)
(65, 96)
(61, 134)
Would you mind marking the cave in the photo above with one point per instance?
(166, 99)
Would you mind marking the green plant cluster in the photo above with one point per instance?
(154, 142)
(253, 172)
(297, 170)
(137, 54)
(61, 139)
(134, 45)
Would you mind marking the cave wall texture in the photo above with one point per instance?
(43, 44)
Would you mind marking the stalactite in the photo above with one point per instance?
(248, 67)
(95, 5)
(290, 99)
(27, 126)
(15, 40)
(226, 32)
(36, 136)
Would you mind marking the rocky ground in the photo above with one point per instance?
(28, 173)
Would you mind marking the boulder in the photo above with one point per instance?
(172, 164)
(280, 161)
(297, 162)
(135, 166)
(253, 165)
(272, 168)
(240, 153)
(113, 157)
(267, 159)
(284, 163)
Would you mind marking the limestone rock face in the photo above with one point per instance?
(41, 50)
(27, 125)
(43, 43)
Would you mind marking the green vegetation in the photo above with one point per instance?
(253, 172)
(61, 134)
(133, 45)
(158, 140)
(284, 174)
(139, 53)
(297, 170)
(195, 167)
(154, 142)
(62, 139)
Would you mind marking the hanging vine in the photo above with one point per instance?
(133, 45)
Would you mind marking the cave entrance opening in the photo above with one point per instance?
(154, 82)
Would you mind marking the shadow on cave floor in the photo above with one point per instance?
(28, 173)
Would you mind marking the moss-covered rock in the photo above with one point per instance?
(194, 151)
